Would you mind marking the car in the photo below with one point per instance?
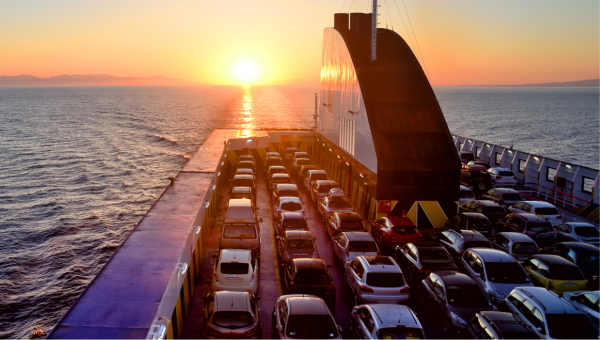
(279, 179)
(495, 272)
(476, 176)
(548, 315)
(272, 161)
(471, 221)
(309, 276)
(587, 302)
(295, 244)
(457, 241)
(292, 314)
(300, 154)
(539, 208)
(502, 176)
(320, 189)
(276, 169)
(518, 245)
(480, 163)
(235, 270)
(244, 181)
(465, 194)
(245, 171)
(296, 167)
(240, 227)
(246, 158)
(304, 169)
(344, 221)
(289, 221)
(492, 210)
(347, 246)
(499, 325)
(283, 190)
(247, 165)
(577, 232)
(240, 210)
(418, 260)
(535, 226)
(503, 195)
(271, 154)
(330, 204)
(231, 314)
(312, 176)
(243, 192)
(466, 156)
(385, 321)
(452, 298)
(287, 203)
(289, 153)
(585, 256)
(392, 231)
(376, 279)
(555, 273)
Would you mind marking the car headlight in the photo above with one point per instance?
(497, 296)
(457, 319)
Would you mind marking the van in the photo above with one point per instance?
(240, 227)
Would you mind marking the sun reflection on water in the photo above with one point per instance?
(246, 114)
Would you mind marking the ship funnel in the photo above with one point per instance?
(341, 21)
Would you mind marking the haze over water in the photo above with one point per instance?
(80, 166)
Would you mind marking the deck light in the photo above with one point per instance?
(568, 166)
(330, 150)
(206, 204)
(537, 159)
(218, 173)
(158, 329)
(197, 229)
(214, 186)
(361, 175)
(348, 164)
(183, 267)
(222, 163)
(249, 140)
(339, 157)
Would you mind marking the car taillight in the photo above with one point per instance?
(212, 332)
(550, 285)
(286, 255)
(558, 217)
(293, 286)
(314, 255)
(498, 177)
(514, 177)
(303, 213)
(424, 271)
(405, 289)
(257, 250)
(330, 289)
(366, 289)
(252, 331)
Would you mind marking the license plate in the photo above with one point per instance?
(234, 278)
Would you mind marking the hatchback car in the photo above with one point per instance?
(344, 221)
(288, 204)
(519, 246)
(499, 325)
(235, 270)
(577, 232)
(490, 209)
(275, 169)
(535, 226)
(305, 169)
(471, 221)
(506, 195)
(452, 298)
(347, 246)
(283, 190)
(465, 194)
(312, 176)
(245, 171)
(585, 256)
(230, 314)
(330, 204)
(420, 259)
(457, 241)
(539, 208)
(303, 317)
(376, 279)
(309, 276)
(587, 302)
(548, 315)
(320, 189)
(495, 272)
(502, 177)
(295, 245)
(385, 321)
(289, 221)
(278, 179)
(243, 192)
(555, 273)
(392, 231)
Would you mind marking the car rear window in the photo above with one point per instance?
(565, 273)
(281, 180)
(506, 173)
(301, 161)
(385, 280)
(511, 197)
(480, 224)
(319, 177)
(400, 332)
(288, 193)
(579, 326)
(473, 244)
(434, 256)
(362, 246)
(312, 277)
(469, 296)
(586, 258)
(234, 268)
(291, 206)
(339, 204)
(493, 210)
(239, 213)
(401, 229)
(525, 248)
(232, 319)
(300, 243)
(353, 225)
(239, 231)
(242, 183)
(587, 231)
(505, 272)
(320, 327)
(325, 188)
(466, 194)
(295, 223)
(539, 226)
(546, 211)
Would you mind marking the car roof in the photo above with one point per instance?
(348, 215)
(400, 221)
(289, 199)
(229, 300)
(241, 189)
(298, 234)
(379, 263)
(550, 301)
(422, 245)
(232, 255)
(305, 304)
(517, 237)
(465, 188)
(470, 234)
(488, 203)
(287, 186)
(455, 278)
(288, 215)
(309, 264)
(276, 167)
(506, 191)
(326, 182)
(301, 159)
(579, 246)
(475, 216)
(241, 176)
(501, 169)
(553, 260)
(540, 204)
(302, 152)
(316, 171)
(336, 192)
(391, 315)
(245, 161)
(492, 255)
(280, 175)
(240, 202)
(358, 236)
(532, 217)
(580, 224)
(504, 317)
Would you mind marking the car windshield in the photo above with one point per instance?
(434, 256)
(291, 206)
(242, 183)
(546, 211)
(493, 210)
(401, 229)
(400, 332)
(339, 204)
(480, 224)
(385, 280)
(288, 193)
(239, 213)
(312, 277)
(473, 244)
(506, 173)
(539, 226)
(299, 243)
(318, 177)
(525, 248)
(353, 225)
(246, 166)
(505, 272)
(362, 246)
(565, 273)
(234, 268)
(579, 326)
(232, 319)
(321, 327)
(295, 223)
(325, 188)
(239, 231)
(511, 197)
(587, 231)
(466, 194)
(586, 258)
(466, 296)
(281, 180)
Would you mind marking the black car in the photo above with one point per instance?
(584, 255)
(344, 221)
(309, 276)
(471, 221)
(457, 241)
(452, 299)
(477, 177)
(535, 226)
(499, 325)
(421, 259)
(490, 209)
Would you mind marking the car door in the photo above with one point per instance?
(429, 295)
(355, 274)
(339, 245)
(281, 245)
(365, 323)
(439, 298)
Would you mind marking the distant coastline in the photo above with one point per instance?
(90, 80)
(579, 83)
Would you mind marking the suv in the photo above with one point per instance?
(289, 221)
(376, 279)
(314, 175)
(490, 209)
(508, 196)
(499, 325)
(244, 181)
(420, 259)
(292, 314)
(502, 176)
(283, 190)
(243, 192)
(577, 232)
(295, 244)
(381, 321)
(548, 315)
(476, 176)
(535, 226)
(231, 314)
(519, 246)
(240, 227)
(495, 272)
(320, 189)
(539, 208)
(457, 241)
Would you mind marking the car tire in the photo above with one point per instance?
(481, 186)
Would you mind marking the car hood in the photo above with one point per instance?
(506, 288)
(467, 313)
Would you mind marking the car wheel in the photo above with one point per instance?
(481, 186)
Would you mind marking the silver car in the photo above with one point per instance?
(578, 232)
(509, 196)
(231, 315)
(587, 302)
(301, 316)
(348, 245)
(518, 245)
(376, 279)
(385, 321)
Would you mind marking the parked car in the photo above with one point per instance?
(288, 204)
(271, 154)
(309, 276)
(240, 210)
(421, 259)
(452, 298)
(247, 165)
(240, 227)
(297, 164)
(246, 158)
(292, 314)
(480, 163)
(243, 192)
(244, 181)
(490, 209)
(314, 175)
(330, 204)
(305, 169)
(555, 273)
(296, 244)
(385, 321)
(283, 190)
(476, 176)
(506, 195)
(231, 314)
(393, 231)
(344, 221)
(518, 245)
(585, 256)
(457, 241)
(289, 153)
(495, 272)
(376, 279)
(548, 315)
(347, 246)
(245, 171)
(502, 176)
(535, 226)
(276, 169)
(539, 208)
(465, 194)
(577, 232)
(279, 179)
(499, 325)
(320, 189)
(300, 154)
(272, 161)
(289, 221)
(466, 156)
(471, 221)
(235, 270)
(587, 302)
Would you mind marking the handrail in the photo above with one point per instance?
(577, 198)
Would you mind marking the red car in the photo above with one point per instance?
(392, 231)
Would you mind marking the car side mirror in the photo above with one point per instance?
(260, 219)
(277, 237)
(347, 263)
(539, 329)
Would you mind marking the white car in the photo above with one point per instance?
(288, 203)
(577, 232)
(503, 177)
(235, 270)
(466, 194)
(539, 208)
(348, 245)
(376, 279)
(330, 204)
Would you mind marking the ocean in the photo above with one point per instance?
(80, 166)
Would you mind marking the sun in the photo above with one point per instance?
(247, 71)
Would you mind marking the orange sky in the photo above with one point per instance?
(463, 42)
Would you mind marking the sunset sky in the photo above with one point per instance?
(463, 42)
